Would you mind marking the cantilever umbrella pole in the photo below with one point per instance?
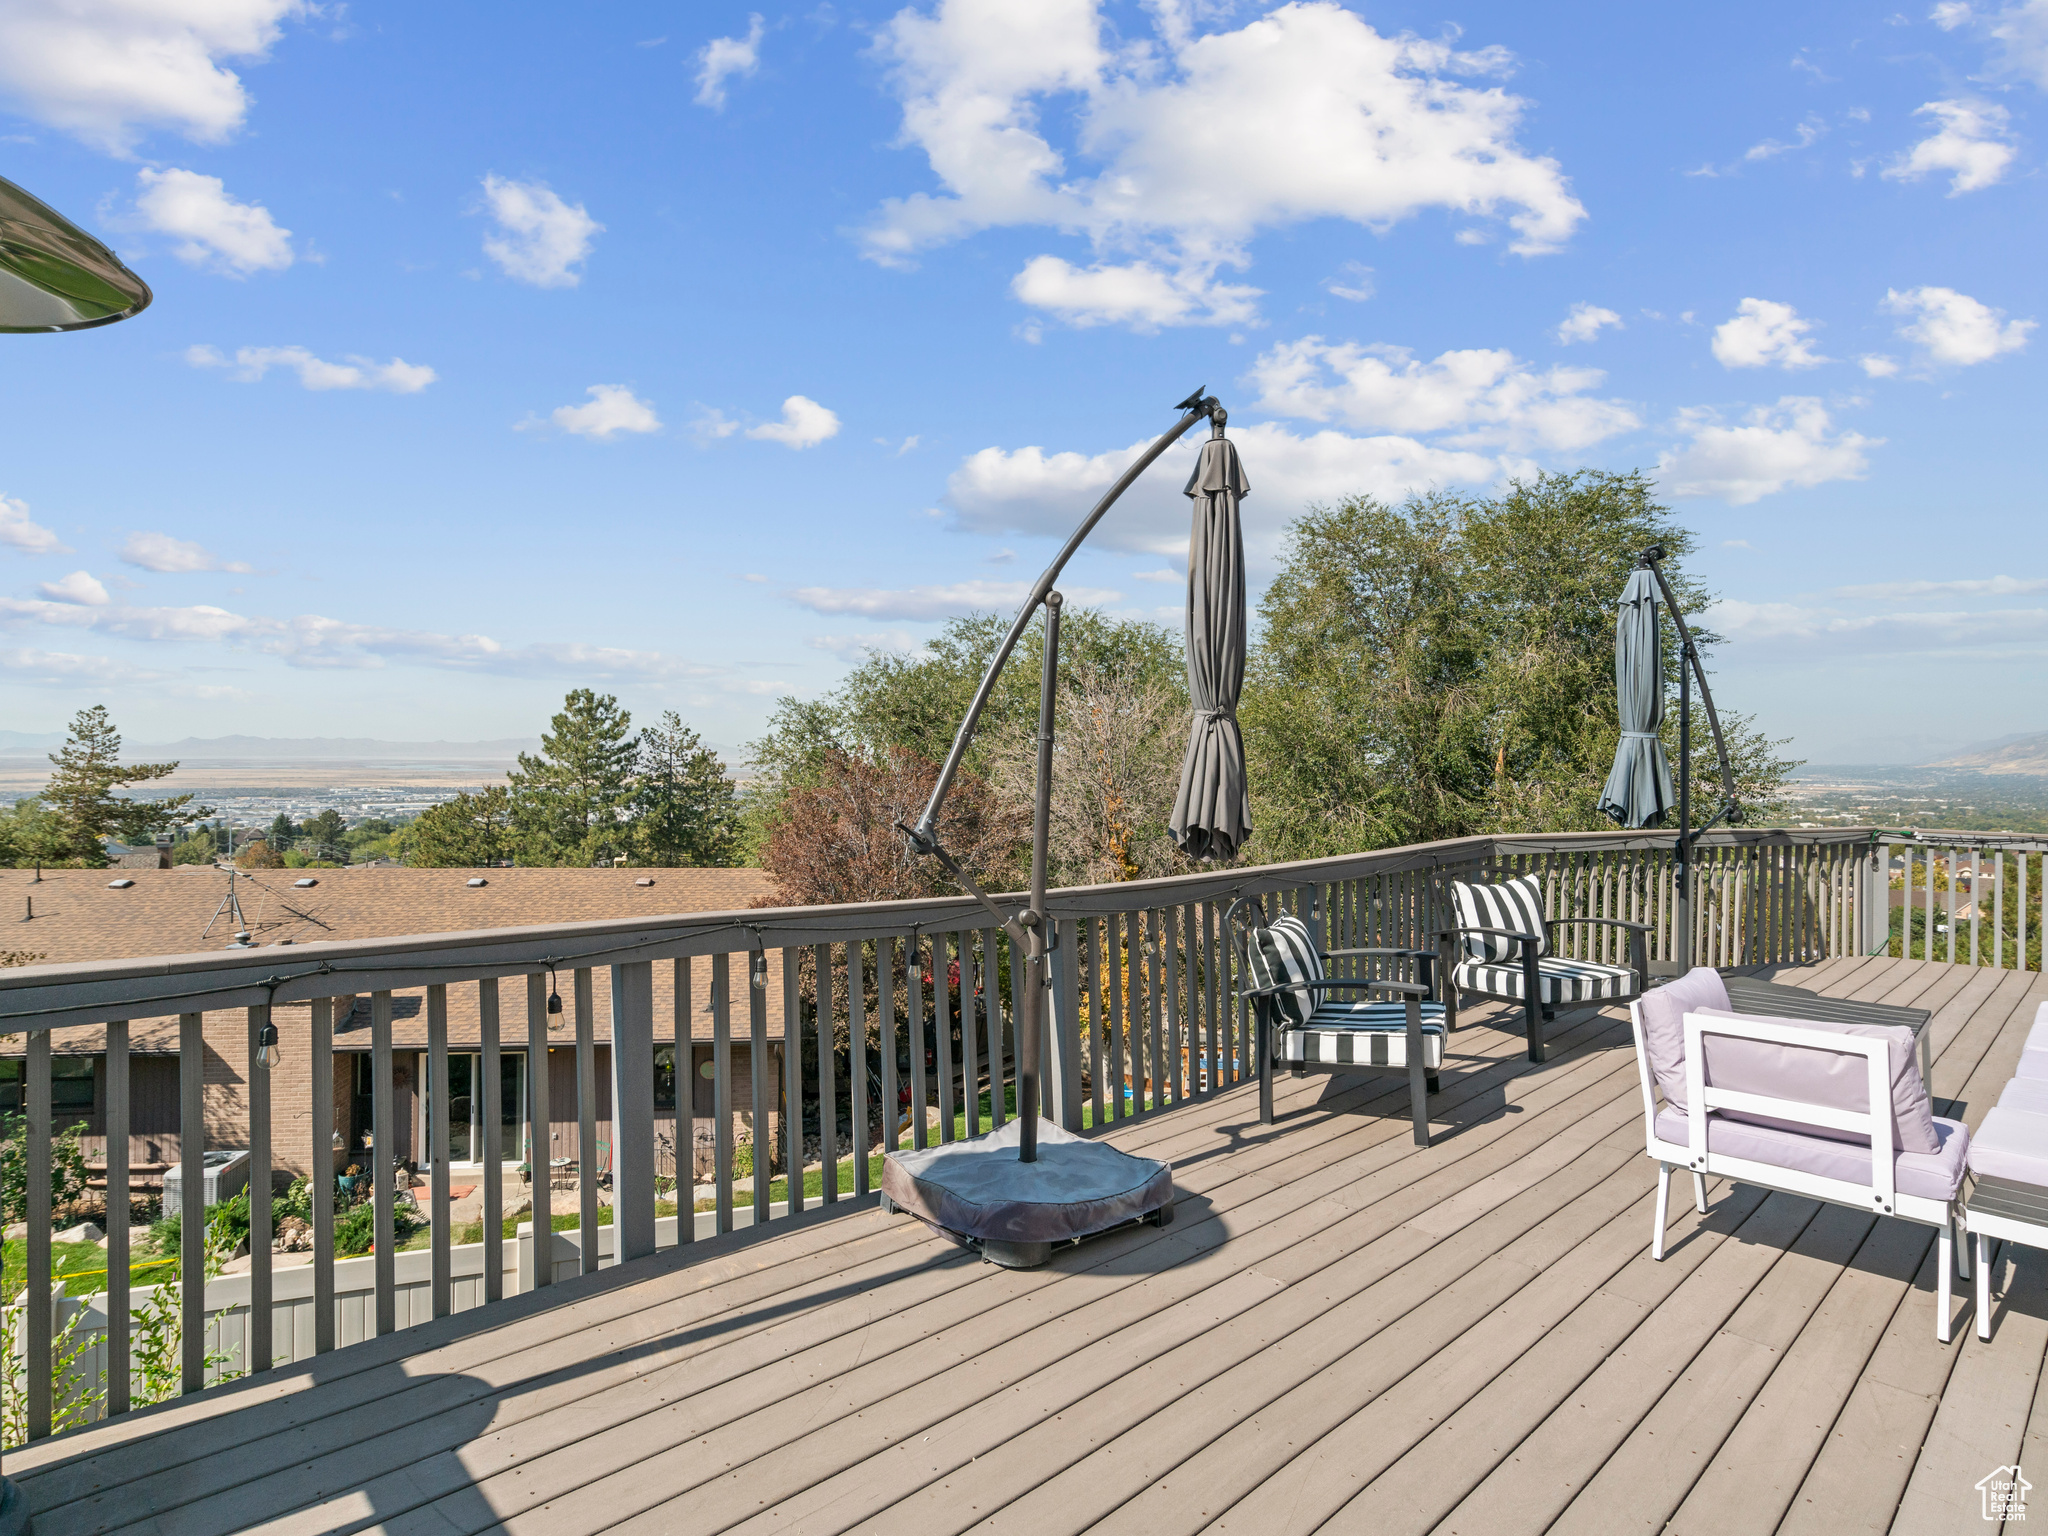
(1028, 929)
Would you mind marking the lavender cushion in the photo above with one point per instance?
(1932, 1175)
(2011, 1144)
(1834, 1079)
(1663, 1010)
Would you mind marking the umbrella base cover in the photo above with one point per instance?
(977, 1192)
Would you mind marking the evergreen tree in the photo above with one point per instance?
(467, 832)
(686, 808)
(80, 795)
(283, 831)
(571, 804)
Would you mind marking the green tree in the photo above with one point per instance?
(80, 794)
(469, 831)
(199, 848)
(30, 834)
(329, 830)
(1447, 667)
(571, 804)
(685, 808)
(283, 831)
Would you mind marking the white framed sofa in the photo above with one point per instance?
(2008, 1200)
(1831, 1110)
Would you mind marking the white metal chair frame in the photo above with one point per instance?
(1880, 1196)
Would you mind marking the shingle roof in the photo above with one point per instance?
(78, 917)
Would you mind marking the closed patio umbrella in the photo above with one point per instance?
(1210, 817)
(1638, 792)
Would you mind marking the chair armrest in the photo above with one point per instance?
(1332, 954)
(1599, 922)
(1502, 933)
(1337, 984)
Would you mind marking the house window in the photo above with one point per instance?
(71, 1086)
(665, 1077)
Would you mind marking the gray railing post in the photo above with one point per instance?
(633, 1111)
(192, 1201)
(1064, 1038)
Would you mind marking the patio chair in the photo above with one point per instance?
(1299, 1024)
(1508, 957)
(1823, 1108)
(2009, 1166)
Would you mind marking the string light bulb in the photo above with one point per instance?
(758, 971)
(267, 1053)
(554, 996)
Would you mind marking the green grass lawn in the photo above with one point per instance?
(83, 1264)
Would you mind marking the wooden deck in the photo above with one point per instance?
(1339, 1332)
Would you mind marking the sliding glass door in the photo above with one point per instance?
(468, 1104)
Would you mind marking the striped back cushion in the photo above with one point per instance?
(1516, 905)
(1280, 953)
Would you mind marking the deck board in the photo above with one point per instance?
(1339, 1332)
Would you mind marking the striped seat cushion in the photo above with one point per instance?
(1516, 905)
(1283, 952)
(1562, 981)
(1363, 1034)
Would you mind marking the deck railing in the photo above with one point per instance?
(882, 1007)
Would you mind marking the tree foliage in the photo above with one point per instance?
(1446, 667)
(571, 803)
(468, 832)
(685, 808)
(81, 802)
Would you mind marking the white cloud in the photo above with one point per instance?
(1137, 294)
(211, 228)
(252, 363)
(937, 601)
(804, 424)
(1165, 574)
(1955, 328)
(539, 237)
(1584, 323)
(20, 531)
(30, 665)
(108, 71)
(311, 640)
(2018, 32)
(1030, 491)
(1792, 631)
(1482, 396)
(1194, 140)
(711, 424)
(1788, 444)
(161, 552)
(724, 57)
(1804, 137)
(1763, 333)
(854, 647)
(1987, 586)
(1971, 144)
(1354, 282)
(1878, 366)
(78, 587)
(612, 409)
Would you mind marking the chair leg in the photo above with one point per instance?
(1533, 1027)
(1944, 1266)
(1983, 1287)
(1663, 1211)
(1418, 1093)
(1435, 1086)
(1699, 1192)
(1265, 1050)
(1962, 1245)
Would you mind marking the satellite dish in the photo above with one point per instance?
(56, 277)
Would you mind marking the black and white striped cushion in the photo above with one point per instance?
(1363, 1034)
(1516, 905)
(1562, 981)
(1280, 953)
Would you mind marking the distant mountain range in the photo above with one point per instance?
(2024, 753)
(287, 748)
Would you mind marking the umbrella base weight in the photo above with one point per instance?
(1019, 1214)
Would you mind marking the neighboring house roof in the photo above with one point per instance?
(78, 917)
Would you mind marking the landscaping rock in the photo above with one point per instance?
(84, 1232)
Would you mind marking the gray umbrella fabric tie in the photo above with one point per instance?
(1639, 791)
(1211, 819)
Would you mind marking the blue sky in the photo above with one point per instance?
(684, 351)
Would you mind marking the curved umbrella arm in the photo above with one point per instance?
(1689, 655)
(924, 836)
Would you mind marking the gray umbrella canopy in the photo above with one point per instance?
(1210, 817)
(1638, 792)
(56, 277)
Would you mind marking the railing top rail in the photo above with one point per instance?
(54, 996)
(1945, 837)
